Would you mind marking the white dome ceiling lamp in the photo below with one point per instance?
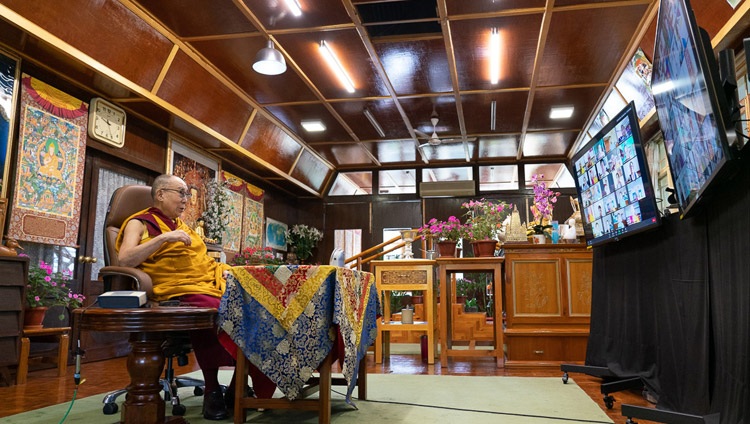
(269, 61)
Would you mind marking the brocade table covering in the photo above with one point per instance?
(285, 319)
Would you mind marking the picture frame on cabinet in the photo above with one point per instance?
(276, 234)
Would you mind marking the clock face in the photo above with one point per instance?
(107, 122)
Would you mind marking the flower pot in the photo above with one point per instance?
(447, 249)
(484, 248)
(539, 239)
(33, 317)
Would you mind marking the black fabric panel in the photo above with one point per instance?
(650, 308)
(729, 247)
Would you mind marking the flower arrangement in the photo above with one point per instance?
(483, 218)
(544, 202)
(303, 240)
(256, 256)
(218, 210)
(450, 230)
(48, 288)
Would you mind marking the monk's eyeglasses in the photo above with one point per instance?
(183, 194)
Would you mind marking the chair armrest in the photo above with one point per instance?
(140, 280)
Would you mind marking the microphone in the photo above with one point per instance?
(77, 375)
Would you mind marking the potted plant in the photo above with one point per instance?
(483, 218)
(544, 203)
(47, 288)
(471, 305)
(446, 233)
(303, 239)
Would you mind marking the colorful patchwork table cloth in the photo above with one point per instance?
(285, 318)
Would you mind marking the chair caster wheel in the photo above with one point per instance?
(109, 408)
(609, 401)
(198, 391)
(565, 378)
(178, 410)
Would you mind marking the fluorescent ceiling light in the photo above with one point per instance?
(313, 125)
(293, 7)
(269, 61)
(493, 114)
(374, 123)
(335, 65)
(563, 112)
(494, 56)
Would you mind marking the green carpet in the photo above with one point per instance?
(398, 399)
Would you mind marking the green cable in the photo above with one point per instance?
(70, 407)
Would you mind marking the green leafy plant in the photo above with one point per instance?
(303, 240)
(471, 303)
(50, 288)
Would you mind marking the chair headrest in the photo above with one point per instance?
(126, 201)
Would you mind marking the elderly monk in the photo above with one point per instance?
(157, 241)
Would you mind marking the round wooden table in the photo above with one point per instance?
(143, 404)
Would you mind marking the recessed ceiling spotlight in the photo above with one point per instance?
(561, 112)
(313, 125)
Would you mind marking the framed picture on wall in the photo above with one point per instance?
(196, 169)
(276, 234)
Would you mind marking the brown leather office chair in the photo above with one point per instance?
(126, 201)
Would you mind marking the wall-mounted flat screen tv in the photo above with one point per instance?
(691, 108)
(613, 182)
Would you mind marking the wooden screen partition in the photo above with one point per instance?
(547, 303)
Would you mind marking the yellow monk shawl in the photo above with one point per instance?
(177, 269)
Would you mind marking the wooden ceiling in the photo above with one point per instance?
(187, 65)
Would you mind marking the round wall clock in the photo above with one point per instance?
(107, 122)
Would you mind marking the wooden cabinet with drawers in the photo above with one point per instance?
(14, 272)
(547, 303)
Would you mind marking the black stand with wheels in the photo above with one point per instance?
(609, 386)
(669, 417)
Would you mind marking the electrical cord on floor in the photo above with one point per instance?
(77, 375)
(577, 420)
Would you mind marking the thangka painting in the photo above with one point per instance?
(52, 148)
(252, 224)
(196, 170)
(252, 215)
(232, 237)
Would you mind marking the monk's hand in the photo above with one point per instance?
(179, 236)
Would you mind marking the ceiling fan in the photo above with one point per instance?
(433, 140)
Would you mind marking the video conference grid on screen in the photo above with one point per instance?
(609, 177)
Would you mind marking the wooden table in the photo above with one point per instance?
(446, 266)
(407, 274)
(143, 404)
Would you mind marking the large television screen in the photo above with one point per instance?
(692, 111)
(614, 186)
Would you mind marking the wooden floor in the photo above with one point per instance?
(44, 388)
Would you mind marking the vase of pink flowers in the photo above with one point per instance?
(545, 200)
(445, 233)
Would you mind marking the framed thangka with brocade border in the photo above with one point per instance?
(196, 169)
(51, 154)
(252, 224)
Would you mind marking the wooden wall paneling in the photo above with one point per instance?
(579, 277)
